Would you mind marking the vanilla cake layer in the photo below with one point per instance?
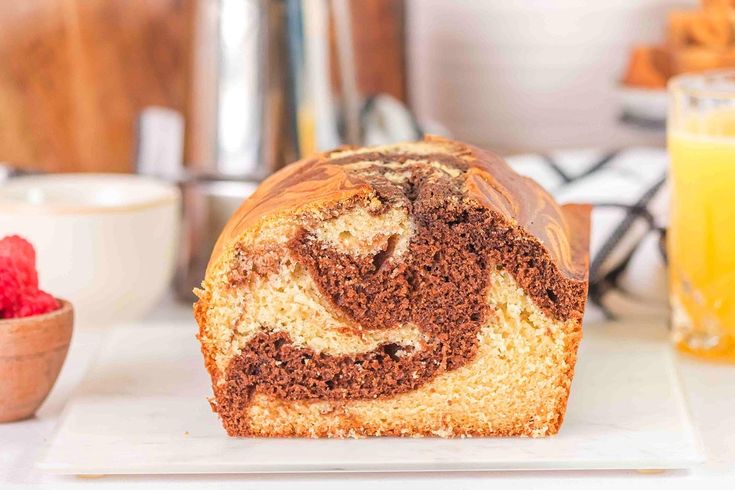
(517, 384)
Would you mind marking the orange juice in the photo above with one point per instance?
(701, 236)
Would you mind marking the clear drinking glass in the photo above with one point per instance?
(701, 235)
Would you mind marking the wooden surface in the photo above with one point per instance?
(378, 34)
(75, 73)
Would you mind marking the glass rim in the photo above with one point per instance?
(692, 84)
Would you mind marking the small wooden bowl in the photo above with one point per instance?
(32, 351)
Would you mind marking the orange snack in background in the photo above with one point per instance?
(649, 67)
(698, 59)
(696, 41)
(711, 28)
(677, 29)
(718, 4)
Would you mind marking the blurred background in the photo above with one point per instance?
(76, 75)
(214, 95)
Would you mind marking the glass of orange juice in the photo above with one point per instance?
(701, 234)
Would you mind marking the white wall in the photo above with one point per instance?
(529, 74)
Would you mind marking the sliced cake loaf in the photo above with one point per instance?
(415, 289)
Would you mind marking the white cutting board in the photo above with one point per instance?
(143, 409)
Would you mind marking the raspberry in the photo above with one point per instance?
(19, 293)
(18, 247)
(21, 253)
(35, 303)
(9, 287)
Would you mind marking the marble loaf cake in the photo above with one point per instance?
(419, 289)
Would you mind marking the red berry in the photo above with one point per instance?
(21, 252)
(9, 287)
(35, 303)
(19, 293)
(18, 247)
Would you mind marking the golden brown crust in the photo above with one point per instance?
(316, 182)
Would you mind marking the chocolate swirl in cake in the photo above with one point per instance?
(470, 216)
(489, 180)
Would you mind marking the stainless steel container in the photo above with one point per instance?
(273, 80)
(240, 124)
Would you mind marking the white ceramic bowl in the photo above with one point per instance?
(106, 242)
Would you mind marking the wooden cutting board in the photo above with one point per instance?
(74, 74)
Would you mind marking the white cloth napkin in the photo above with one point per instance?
(629, 194)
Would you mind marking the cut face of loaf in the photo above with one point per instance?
(416, 289)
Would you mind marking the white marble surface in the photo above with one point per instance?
(142, 409)
(709, 389)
